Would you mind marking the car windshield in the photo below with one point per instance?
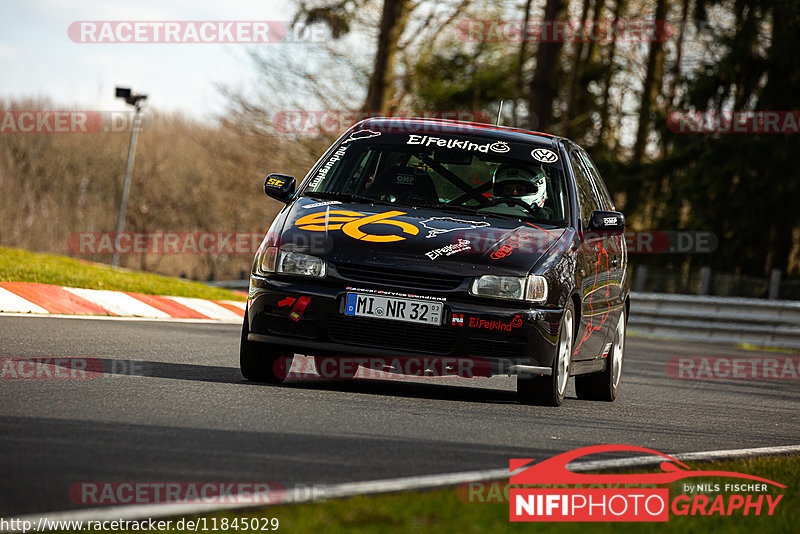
(446, 171)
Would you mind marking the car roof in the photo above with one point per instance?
(434, 126)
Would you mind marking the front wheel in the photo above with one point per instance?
(262, 362)
(604, 386)
(549, 390)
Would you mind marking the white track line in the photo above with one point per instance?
(118, 302)
(370, 487)
(11, 302)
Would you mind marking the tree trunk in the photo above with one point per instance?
(780, 93)
(597, 17)
(608, 79)
(393, 22)
(520, 64)
(676, 68)
(572, 87)
(672, 90)
(544, 86)
(651, 87)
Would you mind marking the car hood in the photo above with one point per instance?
(415, 238)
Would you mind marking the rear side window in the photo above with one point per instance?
(586, 194)
(599, 185)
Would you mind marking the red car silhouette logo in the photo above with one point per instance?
(554, 470)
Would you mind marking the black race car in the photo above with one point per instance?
(444, 248)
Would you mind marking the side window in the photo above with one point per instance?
(586, 196)
(599, 185)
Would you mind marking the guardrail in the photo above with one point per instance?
(766, 323)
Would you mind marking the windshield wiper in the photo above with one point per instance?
(452, 207)
(475, 210)
(338, 195)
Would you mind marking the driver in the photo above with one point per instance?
(524, 184)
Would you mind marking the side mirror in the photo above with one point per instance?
(609, 222)
(280, 187)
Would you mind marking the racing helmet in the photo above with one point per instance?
(528, 185)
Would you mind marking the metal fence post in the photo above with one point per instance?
(775, 284)
(705, 280)
(126, 187)
(640, 277)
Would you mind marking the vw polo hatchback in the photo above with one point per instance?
(444, 248)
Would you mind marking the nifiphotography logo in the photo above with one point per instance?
(624, 497)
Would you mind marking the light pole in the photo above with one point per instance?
(136, 101)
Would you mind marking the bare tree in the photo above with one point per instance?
(572, 86)
(544, 85)
(608, 77)
(520, 81)
(393, 22)
(652, 84)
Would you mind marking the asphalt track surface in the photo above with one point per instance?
(183, 412)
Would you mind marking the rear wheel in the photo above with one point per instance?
(604, 386)
(262, 362)
(549, 390)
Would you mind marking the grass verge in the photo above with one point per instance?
(23, 266)
(448, 510)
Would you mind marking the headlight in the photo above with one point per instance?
(273, 260)
(532, 288)
(301, 264)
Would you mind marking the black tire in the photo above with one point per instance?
(604, 386)
(341, 375)
(262, 362)
(549, 390)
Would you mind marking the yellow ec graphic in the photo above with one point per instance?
(350, 222)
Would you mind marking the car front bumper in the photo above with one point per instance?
(317, 325)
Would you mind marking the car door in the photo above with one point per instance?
(617, 251)
(593, 265)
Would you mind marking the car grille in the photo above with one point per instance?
(306, 327)
(398, 277)
(495, 348)
(381, 333)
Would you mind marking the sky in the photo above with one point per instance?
(39, 59)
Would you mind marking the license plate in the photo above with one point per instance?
(396, 309)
